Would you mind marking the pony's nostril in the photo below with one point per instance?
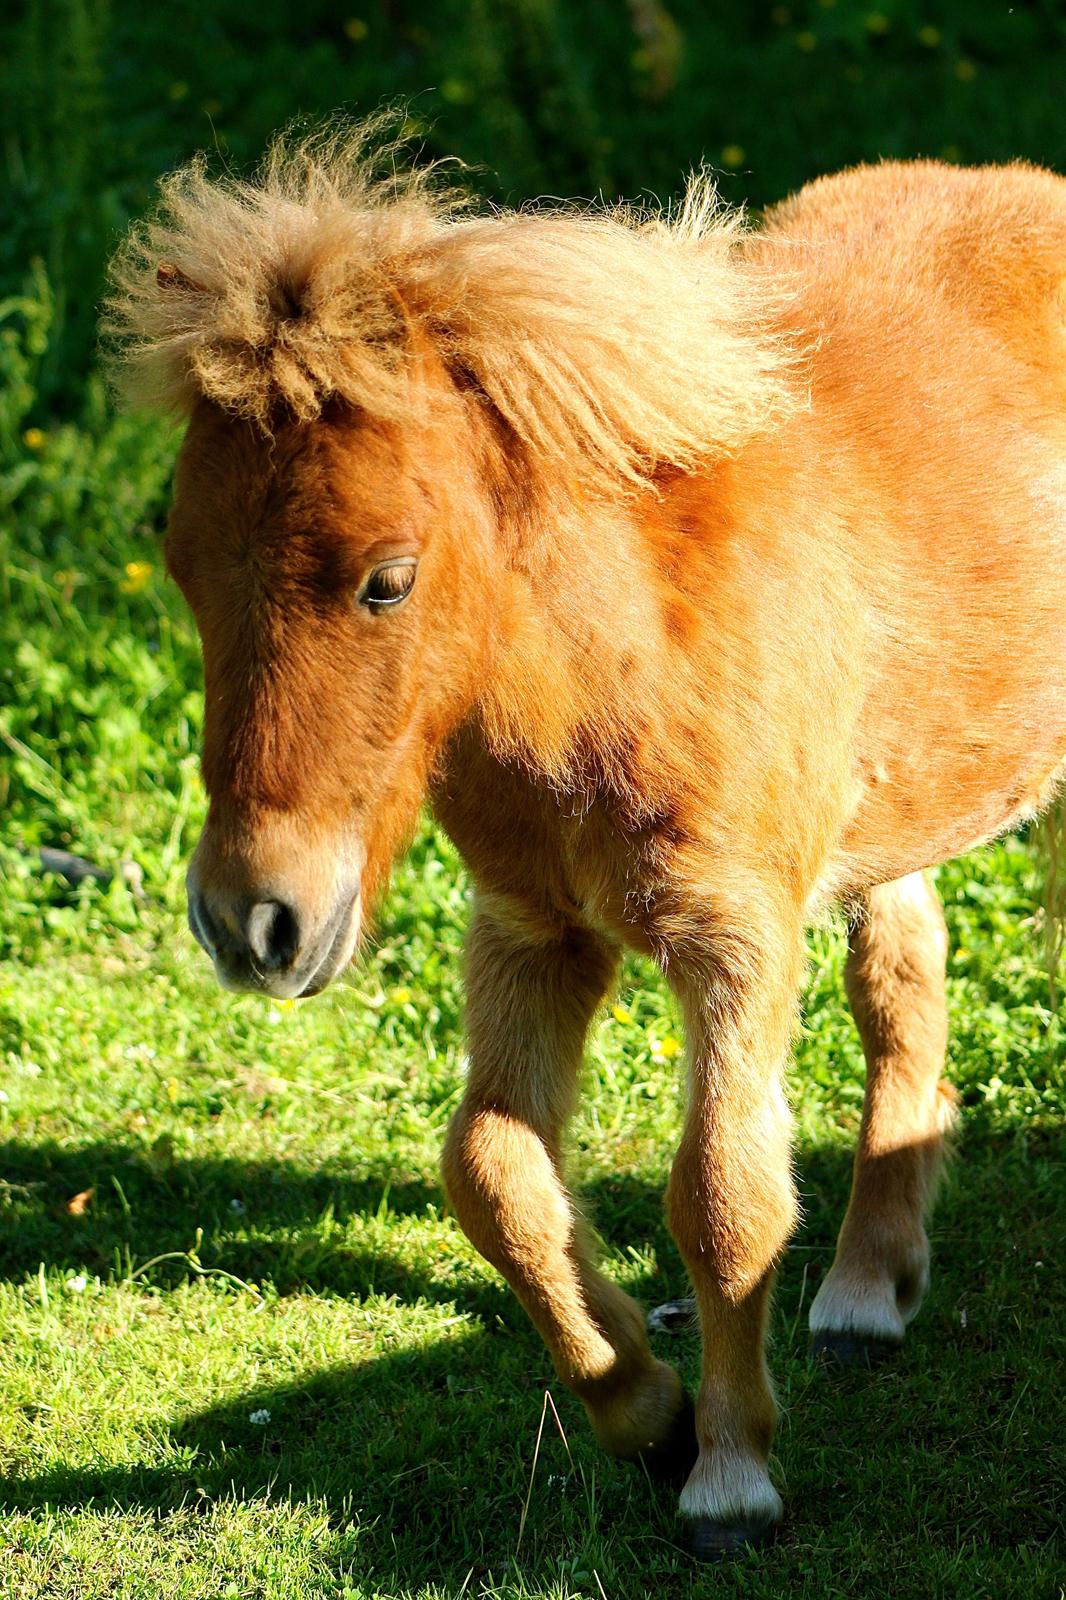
(203, 928)
(272, 933)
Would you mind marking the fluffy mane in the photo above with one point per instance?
(613, 341)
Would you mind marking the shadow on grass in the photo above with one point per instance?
(422, 1458)
(270, 1221)
(277, 1221)
(263, 1216)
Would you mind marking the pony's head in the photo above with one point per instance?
(340, 577)
(391, 403)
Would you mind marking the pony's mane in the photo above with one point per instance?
(607, 339)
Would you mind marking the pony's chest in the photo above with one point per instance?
(604, 875)
(555, 858)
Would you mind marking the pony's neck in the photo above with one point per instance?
(580, 654)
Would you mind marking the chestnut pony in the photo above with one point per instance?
(702, 578)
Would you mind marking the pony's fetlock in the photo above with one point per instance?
(649, 1419)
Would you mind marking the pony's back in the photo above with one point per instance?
(921, 242)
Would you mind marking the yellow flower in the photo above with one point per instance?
(356, 29)
(930, 37)
(211, 108)
(877, 22)
(401, 996)
(178, 91)
(138, 576)
(965, 71)
(666, 1049)
(285, 1005)
(620, 1014)
(173, 1090)
(34, 438)
(733, 155)
(806, 42)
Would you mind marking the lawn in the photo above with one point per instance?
(245, 1351)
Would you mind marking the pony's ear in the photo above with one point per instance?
(169, 276)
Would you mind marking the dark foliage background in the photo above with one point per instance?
(560, 97)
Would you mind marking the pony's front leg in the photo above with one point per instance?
(732, 1207)
(529, 1001)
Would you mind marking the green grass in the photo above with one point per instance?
(284, 1165)
(214, 1209)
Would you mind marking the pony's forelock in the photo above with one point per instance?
(611, 342)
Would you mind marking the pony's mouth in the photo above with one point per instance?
(329, 955)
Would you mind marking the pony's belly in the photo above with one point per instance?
(894, 835)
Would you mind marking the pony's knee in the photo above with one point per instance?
(731, 1220)
(732, 1200)
(503, 1186)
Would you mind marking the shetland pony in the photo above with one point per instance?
(701, 578)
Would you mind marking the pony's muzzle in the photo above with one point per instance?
(268, 945)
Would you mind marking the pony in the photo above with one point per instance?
(702, 577)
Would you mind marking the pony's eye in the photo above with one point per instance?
(389, 584)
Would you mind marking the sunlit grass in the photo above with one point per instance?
(247, 1350)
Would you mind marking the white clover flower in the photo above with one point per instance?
(260, 1417)
(78, 1284)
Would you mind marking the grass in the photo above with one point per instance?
(247, 1352)
(244, 1349)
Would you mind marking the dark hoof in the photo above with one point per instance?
(673, 1316)
(673, 1458)
(860, 1350)
(722, 1541)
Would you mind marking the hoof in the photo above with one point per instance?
(673, 1458)
(722, 1541)
(672, 1316)
(860, 1350)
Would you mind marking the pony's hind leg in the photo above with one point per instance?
(529, 1001)
(895, 983)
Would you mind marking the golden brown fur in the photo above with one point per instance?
(725, 609)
